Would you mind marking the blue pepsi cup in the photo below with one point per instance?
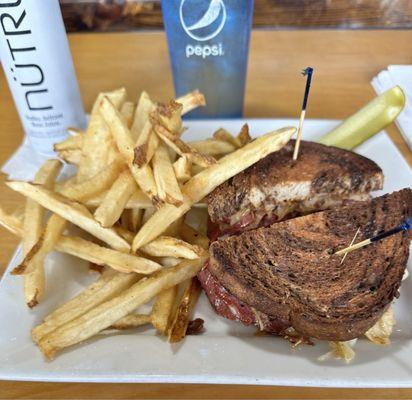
(208, 45)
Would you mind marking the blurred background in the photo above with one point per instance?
(124, 15)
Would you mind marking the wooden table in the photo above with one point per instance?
(345, 62)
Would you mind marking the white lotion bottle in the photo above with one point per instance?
(36, 60)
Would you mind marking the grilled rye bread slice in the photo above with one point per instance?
(288, 270)
(322, 176)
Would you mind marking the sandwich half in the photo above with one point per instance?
(287, 275)
(277, 187)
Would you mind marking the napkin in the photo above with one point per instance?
(398, 75)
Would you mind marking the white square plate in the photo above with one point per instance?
(227, 352)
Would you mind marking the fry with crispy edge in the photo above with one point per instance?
(121, 134)
(71, 143)
(167, 246)
(162, 309)
(34, 282)
(213, 147)
(109, 285)
(182, 148)
(243, 136)
(98, 183)
(127, 110)
(73, 212)
(167, 186)
(191, 100)
(116, 198)
(98, 148)
(70, 156)
(131, 321)
(178, 326)
(203, 183)
(48, 239)
(182, 167)
(89, 251)
(223, 134)
(106, 314)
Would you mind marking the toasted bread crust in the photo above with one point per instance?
(289, 271)
(320, 170)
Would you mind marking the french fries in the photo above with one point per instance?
(203, 183)
(98, 183)
(48, 239)
(167, 186)
(131, 321)
(180, 322)
(99, 149)
(191, 100)
(115, 200)
(182, 148)
(107, 313)
(34, 282)
(162, 309)
(166, 246)
(182, 168)
(71, 143)
(70, 211)
(243, 137)
(213, 147)
(224, 135)
(127, 110)
(124, 141)
(109, 285)
(89, 251)
(135, 183)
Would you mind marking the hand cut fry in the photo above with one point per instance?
(34, 282)
(146, 145)
(168, 261)
(182, 148)
(166, 246)
(71, 143)
(48, 239)
(213, 147)
(89, 251)
(144, 107)
(167, 187)
(127, 110)
(182, 168)
(243, 136)
(124, 142)
(131, 321)
(170, 116)
(98, 148)
(72, 131)
(70, 156)
(203, 183)
(162, 309)
(109, 285)
(71, 212)
(180, 322)
(191, 100)
(97, 184)
(106, 314)
(223, 134)
(115, 200)
(193, 236)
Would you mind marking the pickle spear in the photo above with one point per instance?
(369, 120)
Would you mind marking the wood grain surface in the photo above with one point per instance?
(344, 62)
(111, 15)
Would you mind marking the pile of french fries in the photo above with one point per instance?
(136, 181)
